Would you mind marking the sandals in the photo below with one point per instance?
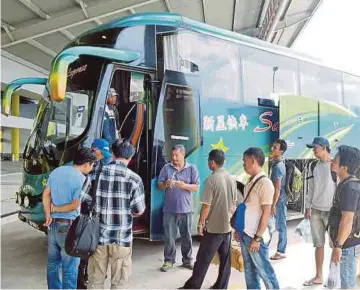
(278, 256)
(311, 283)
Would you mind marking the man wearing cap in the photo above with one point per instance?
(103, 157)
(320, 192)
(111, 118)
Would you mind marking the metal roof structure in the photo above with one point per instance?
(36, 30)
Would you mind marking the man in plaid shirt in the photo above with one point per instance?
(119, 198)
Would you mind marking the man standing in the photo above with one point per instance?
(179, 179)
(111, 118)
(119, 198)
(344, 220)
(278, 209)
(103, 157)
(259, 194)
(219, 202)
(321, 190)
(61, 200)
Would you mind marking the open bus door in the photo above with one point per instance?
(177, 122)
(299, 124)
(132, 107)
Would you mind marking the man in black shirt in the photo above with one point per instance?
(344, 220)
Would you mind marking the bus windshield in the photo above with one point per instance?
(65, 122)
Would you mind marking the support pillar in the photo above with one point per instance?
(15, 132)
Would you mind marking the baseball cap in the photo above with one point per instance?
(112, 92)
(103, 146)
(319, 141)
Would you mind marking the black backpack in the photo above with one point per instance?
(82, 238)
(312, 168)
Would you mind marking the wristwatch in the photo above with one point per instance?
(337, 245)
(258, 239)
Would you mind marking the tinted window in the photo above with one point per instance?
(320, 83)
(217, 61)
(139, 39)
(106, 38)
(267, 75)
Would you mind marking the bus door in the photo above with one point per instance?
(299, 124)
(177, 122)
(131, 103)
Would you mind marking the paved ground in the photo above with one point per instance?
(10, 182)
(23, 254)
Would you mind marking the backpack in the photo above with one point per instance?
(294, 181)
(312, 168)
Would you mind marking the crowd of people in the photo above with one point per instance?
(332, 205)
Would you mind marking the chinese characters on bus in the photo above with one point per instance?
(234, 123)
(220, 123)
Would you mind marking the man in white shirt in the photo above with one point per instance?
(254, 240)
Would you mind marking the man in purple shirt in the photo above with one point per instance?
(178, 179)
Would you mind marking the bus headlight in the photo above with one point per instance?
(26, 201)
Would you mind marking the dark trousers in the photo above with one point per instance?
(172, 223)
(210, 244)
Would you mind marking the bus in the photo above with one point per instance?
(182, 82)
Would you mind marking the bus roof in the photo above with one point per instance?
(177, 20)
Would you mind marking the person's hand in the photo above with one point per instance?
(273, 210)
(336, 255)
(307, 213)
(200, 229)
(169, 183)
(181, 184)
(236, 236)
(48, 221)
(254, 246)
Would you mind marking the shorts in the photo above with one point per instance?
(318, 222)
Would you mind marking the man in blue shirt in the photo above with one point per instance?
(61, 200)
(278, 209)
(111, 124)
(178, 179)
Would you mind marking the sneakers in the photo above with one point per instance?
(188, 266)
(166, 266)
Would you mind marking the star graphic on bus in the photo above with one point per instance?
(43, 182)
(220, 145)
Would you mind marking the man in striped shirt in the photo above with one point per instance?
(119, 198)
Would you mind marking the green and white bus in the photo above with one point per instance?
(182, 82)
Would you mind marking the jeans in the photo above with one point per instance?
(210, 244)
(348, 267)
(173, 222)
(57, 258)
(281, 226)
(257, 265)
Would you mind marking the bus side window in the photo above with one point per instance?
(320, 83)
(267, 76)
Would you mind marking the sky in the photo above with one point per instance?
(333, 33)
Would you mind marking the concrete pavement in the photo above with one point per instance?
(10, 183)
(23, 262)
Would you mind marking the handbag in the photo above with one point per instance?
(237, 221)
(82, 238)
